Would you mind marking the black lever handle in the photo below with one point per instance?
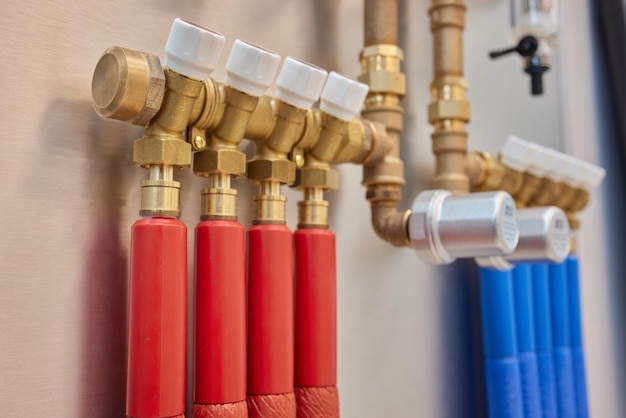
(526, 47)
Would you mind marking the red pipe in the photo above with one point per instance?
(270, 322)
(220, 321)
(316, 324)
(158, 319)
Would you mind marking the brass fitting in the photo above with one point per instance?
(487, 173)
(383, 174)
(530, 185)
(449, 111)
(271, 167)
(221, 159)
(316, 176)
(548, 193)
(128, 85)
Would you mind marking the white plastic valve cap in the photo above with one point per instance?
(517, 153)
(542, 160)
(593, 175)
(557, 167)
(191, 50)
(251, 69)
(572, 172)
(342, 97)
(300, 83)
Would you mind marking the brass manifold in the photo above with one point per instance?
(486, 172)
(132, 86)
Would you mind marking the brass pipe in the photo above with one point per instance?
(449, 111)
(381, 22)
(380, 65)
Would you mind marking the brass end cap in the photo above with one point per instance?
(128, 85)
(270, 209)
(224, 161)
(280, 170)
(218, 204)
(313, 214)
(155, 150)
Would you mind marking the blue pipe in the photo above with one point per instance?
(543, 339)
(578, 356)
(524, 321)
(561, 337)
(502, 368)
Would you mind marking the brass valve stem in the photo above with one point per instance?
(313, 209)
(221, 160)
(219, 200)
(449, 111)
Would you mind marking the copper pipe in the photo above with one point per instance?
(381, 22)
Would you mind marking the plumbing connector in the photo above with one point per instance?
(340, 103)
(544, 237)
(536, 171)
(551, 187)
(132, 86)
(443, 227)
(582, 178)
(299, 86)
(249, 72)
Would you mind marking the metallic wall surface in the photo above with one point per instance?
(409, 341)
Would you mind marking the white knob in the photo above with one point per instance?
(557, 168)
(517, 154)
(192, 50)
(300, 83)
(591, 175)
(251, 69)
(542, 160)
(342, 97)
(572, 172)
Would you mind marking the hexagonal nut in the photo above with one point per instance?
(283, 171)
(154, 150)
(128, 85)
(224, 161)
(385, 82)
(323, 178)
(449, 109)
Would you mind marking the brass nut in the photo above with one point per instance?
(224, 161)
(387, 50)
(128, 85)
(316, 177)
(385, 82)
(283, 171)
(449, 109)
(154, 150)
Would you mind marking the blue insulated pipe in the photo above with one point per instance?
(578, 355)
(502, 368)
(543, 339)
(525, 327)
(561, 337)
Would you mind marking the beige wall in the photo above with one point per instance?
(407, 332)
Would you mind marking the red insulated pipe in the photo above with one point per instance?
(157, 320)
(270, 322)
(220, 321)
(316, 324)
